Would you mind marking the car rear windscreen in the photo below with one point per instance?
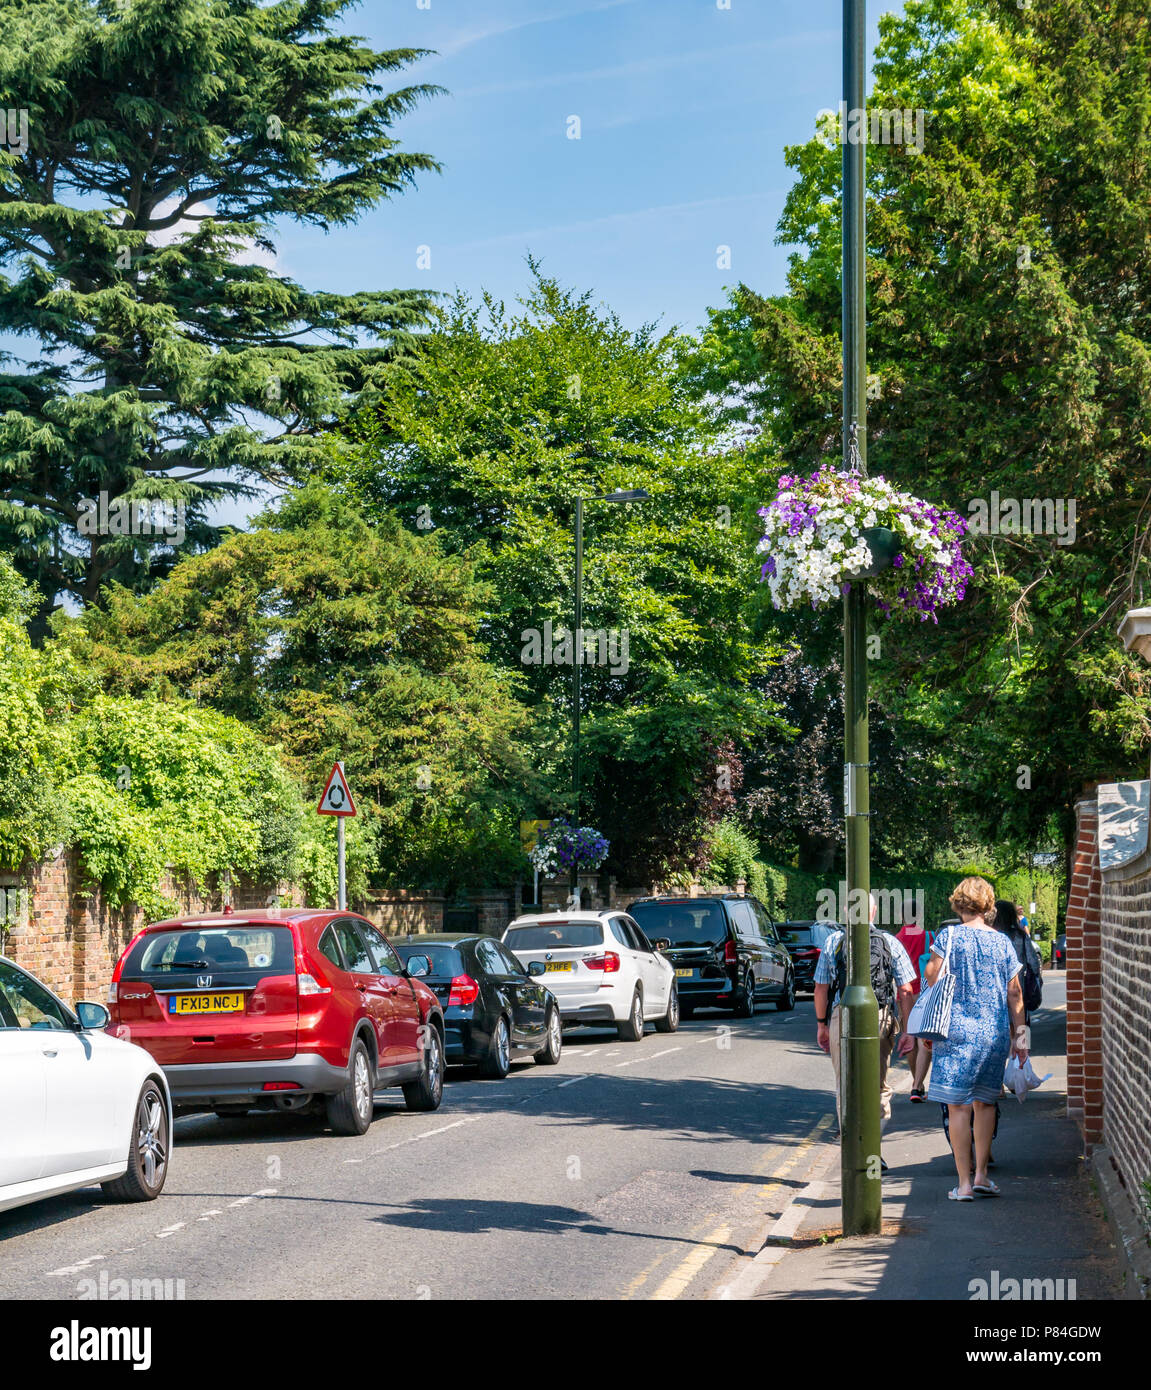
(554, 936)
(683, 924)
(261, 950)
(444, 960)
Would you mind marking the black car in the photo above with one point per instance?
(805, 941)
(492, 1008)
(725, 949)
(1059, 952)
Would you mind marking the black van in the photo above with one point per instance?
(725, 949)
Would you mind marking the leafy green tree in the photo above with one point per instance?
(152, 785)
(485, 437)
(162, 141)
(31, 706)
(339, 640)
(1009, 278)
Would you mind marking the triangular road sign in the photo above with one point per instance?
(337, 797)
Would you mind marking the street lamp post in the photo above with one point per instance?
(638, 494)
(859, 1013)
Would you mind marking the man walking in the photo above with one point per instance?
(892, 978)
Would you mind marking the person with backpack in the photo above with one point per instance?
(892, 976)
(1010, 923)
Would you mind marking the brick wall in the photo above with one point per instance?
(70, 938)
(1108, 929)
(1126, 1027)
(1084, 983)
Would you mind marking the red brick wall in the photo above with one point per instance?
(1126, 1026)
(1084, 981)
(71, 938)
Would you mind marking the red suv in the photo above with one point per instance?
(276, 1010)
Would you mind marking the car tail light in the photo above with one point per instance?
(312, 981)
(282, 1086)
(464, 991)
(608, 962)
(729, 954)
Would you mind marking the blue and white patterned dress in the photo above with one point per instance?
(969, 1065)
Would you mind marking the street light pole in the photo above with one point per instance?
(577, 658)
(859, 1012)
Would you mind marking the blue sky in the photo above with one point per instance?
(684, 109)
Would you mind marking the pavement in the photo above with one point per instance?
(691, 1166)
(1048, 1224)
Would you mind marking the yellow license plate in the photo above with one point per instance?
(685, 974)
(206, 1004)
(555, 966)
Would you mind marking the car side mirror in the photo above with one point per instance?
(92, 1017)
(419, 965)
(536, 968)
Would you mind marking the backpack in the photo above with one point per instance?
(1029, 975)
(882, 972)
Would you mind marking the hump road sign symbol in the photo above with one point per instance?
(337, 797)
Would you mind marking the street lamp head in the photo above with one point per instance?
(637, 494)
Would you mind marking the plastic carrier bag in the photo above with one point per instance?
(1021, 1079)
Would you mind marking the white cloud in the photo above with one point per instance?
(470, 37)
(617, 218)
(642, 66)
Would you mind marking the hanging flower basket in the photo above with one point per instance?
(564, 846)
(823, 533)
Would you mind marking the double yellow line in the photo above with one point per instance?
(708, 1243)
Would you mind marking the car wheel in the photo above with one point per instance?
(497, 1061)
(428, 1091)
(670, 1021)
(632, 1029)
(550, 1054)
(148, 1154)
(745, 999)
(786, 1001)
(350, 1110)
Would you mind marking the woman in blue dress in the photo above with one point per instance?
(987, 1026)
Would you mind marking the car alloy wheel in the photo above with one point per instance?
(555, 1033)
(503, 1045)
(362, 1079)
(435, 1065)
(637, 1014)
(152, 1138)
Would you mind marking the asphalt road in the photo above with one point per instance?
(632, 1170)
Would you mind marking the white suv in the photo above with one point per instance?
(600, 967)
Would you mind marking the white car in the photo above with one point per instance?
(79, 1107)
(600, 967)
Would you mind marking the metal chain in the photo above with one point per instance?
(854, 458)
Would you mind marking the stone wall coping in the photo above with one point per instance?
(1124, 851)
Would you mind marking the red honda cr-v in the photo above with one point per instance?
(276, 1010)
